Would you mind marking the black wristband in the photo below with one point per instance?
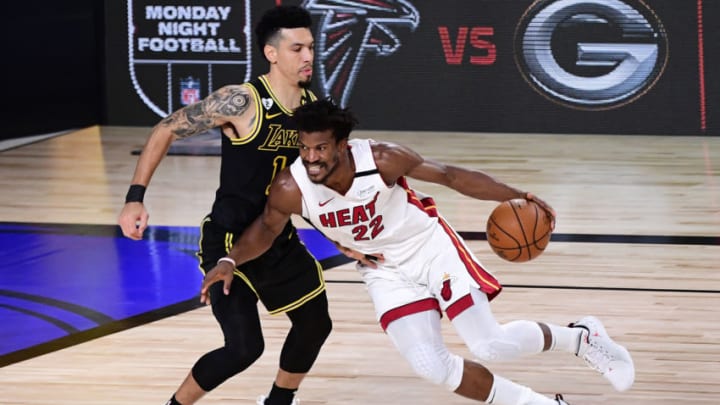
(136, 193)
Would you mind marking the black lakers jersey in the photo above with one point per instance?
(251, 162)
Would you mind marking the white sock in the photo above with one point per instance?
(565, 339)
(506, 392)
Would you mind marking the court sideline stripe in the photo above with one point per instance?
(618, 238)
(163, 233)
(66, 327)
(100, 331)
(85, 312)
(575, 287)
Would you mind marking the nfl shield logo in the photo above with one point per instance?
(186, 42)
(189, 90)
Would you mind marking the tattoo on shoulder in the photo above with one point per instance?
(228, 101)
(199, 117)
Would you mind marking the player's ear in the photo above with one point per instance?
(270, 53)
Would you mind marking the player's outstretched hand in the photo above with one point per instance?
(545, 206)
(365, 260)
(223, 271)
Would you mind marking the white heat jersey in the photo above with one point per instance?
(427, 265)
(371, 217)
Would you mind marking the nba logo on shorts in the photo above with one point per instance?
(189, 90)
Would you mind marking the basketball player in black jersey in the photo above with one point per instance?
(259, 140)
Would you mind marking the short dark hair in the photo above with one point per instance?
(277, 18)
(323, 114)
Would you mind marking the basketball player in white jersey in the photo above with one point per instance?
(356, 193)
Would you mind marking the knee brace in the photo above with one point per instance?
(435, 363)
(239, 320)
(213, 368)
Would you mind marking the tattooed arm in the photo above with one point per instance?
(228, 105)
(231, 108)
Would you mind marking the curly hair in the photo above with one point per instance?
(323, 114)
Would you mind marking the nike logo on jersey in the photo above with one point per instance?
(323, 203)
(271, 116)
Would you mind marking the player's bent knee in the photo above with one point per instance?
(321, 328)
(313, 331)
(216, 366)
(303, 343)
(311, 322)
(245, 353)
(436, 364)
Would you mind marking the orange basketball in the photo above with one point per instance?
(518, 230)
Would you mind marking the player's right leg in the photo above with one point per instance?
(418, 339)
(238, 317)
(239, 320)
(293, 285)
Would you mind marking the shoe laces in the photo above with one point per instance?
(598, 356)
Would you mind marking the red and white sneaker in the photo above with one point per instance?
(603, 355)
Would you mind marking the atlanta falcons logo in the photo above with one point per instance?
(350, 29)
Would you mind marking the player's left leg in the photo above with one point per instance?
(418, 338)
(491, 341)
(587, 338)
(603, 354)
(462, 285)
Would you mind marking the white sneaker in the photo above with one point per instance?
(603, 355)
(261, 400)
(560, 400)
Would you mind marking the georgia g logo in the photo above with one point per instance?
(350, 29)
(591, 54)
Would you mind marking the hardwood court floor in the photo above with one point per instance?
(638, 245)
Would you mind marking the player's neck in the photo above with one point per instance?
(287, 92)
(342, 179)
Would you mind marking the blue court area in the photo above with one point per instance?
(65, 284)
(62, 284)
